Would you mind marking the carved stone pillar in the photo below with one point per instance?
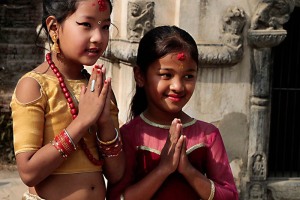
(265, 32)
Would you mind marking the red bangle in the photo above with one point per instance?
(64, 144)
(111, 150)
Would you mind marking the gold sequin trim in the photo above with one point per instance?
(164, 126)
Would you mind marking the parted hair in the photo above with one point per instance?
(155, 44)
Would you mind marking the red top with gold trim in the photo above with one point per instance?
(143, 142)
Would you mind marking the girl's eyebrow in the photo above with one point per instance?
(93, 18)
(171, 69)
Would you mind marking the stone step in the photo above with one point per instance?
(18, 35)
(12, 70)
(19, 15)
(21, 51)
(20, 66)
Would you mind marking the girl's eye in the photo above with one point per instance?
(85, 24)
(106, 27)
(190, 76)
(166, 75)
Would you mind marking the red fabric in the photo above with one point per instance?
(143, 144)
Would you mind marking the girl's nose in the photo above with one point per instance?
(177, 85)
(96, 36)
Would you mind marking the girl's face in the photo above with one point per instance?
(170, 82)
(83, 36)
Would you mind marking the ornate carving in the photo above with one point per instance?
(229, 52)
(272, 14)
(266, 28)
(259, 165)
(231, 49)
(266, 38)
(140, 19)
(256, 192)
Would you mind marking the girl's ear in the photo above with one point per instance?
(52, 25)
(139, 77)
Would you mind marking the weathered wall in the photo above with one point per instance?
(18, 50)
(234, 38)
(232, 91)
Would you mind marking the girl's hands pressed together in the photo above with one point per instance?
(170, 154)
(184, 163)
(93, 98)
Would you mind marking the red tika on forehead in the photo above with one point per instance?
(102, 5)
(180, 56)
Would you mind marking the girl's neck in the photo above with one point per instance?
(69, 69)
(166, 118)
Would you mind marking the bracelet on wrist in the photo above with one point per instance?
(212, 190)
(110, 141)
(64, 144)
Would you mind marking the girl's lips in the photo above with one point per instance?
(175, 98)
(93, 51)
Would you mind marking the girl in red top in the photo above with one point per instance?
(170, 155)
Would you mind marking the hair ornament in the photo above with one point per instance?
(180, 56)
(102, 5)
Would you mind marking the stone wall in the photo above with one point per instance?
(18, 46)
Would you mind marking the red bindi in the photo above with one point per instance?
(180, 56)
(102, 5)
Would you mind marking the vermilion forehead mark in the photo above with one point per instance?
(180, 56)
(102, 5)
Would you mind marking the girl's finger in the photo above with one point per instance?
(92, 81)
(103, 69)
(99, 81)
(105, 90)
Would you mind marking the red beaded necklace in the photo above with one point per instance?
(73, 109)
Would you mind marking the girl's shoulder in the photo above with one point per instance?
(131, 124)
(202, 129)
(28, 89)
(207, 126)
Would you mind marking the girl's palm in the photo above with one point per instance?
(170, 154)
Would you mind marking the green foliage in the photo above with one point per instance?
(6, 139)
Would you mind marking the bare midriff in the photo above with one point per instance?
(81, 186)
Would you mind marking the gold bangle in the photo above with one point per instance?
(212, 190)
(108, 142)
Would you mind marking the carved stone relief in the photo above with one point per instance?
(228, 52)
(266, 24)
(140, 19)
(259, 167)
(256, 192)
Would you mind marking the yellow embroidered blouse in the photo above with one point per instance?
(36, 123)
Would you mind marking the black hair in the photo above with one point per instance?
(60, 9)
(155, 44)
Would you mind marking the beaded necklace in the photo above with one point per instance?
(72, 107)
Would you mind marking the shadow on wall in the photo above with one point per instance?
(234, 130)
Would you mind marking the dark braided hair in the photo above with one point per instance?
(155, 44)
(60, 9)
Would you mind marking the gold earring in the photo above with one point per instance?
(55, 47)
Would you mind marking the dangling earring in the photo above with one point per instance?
(55, 47)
